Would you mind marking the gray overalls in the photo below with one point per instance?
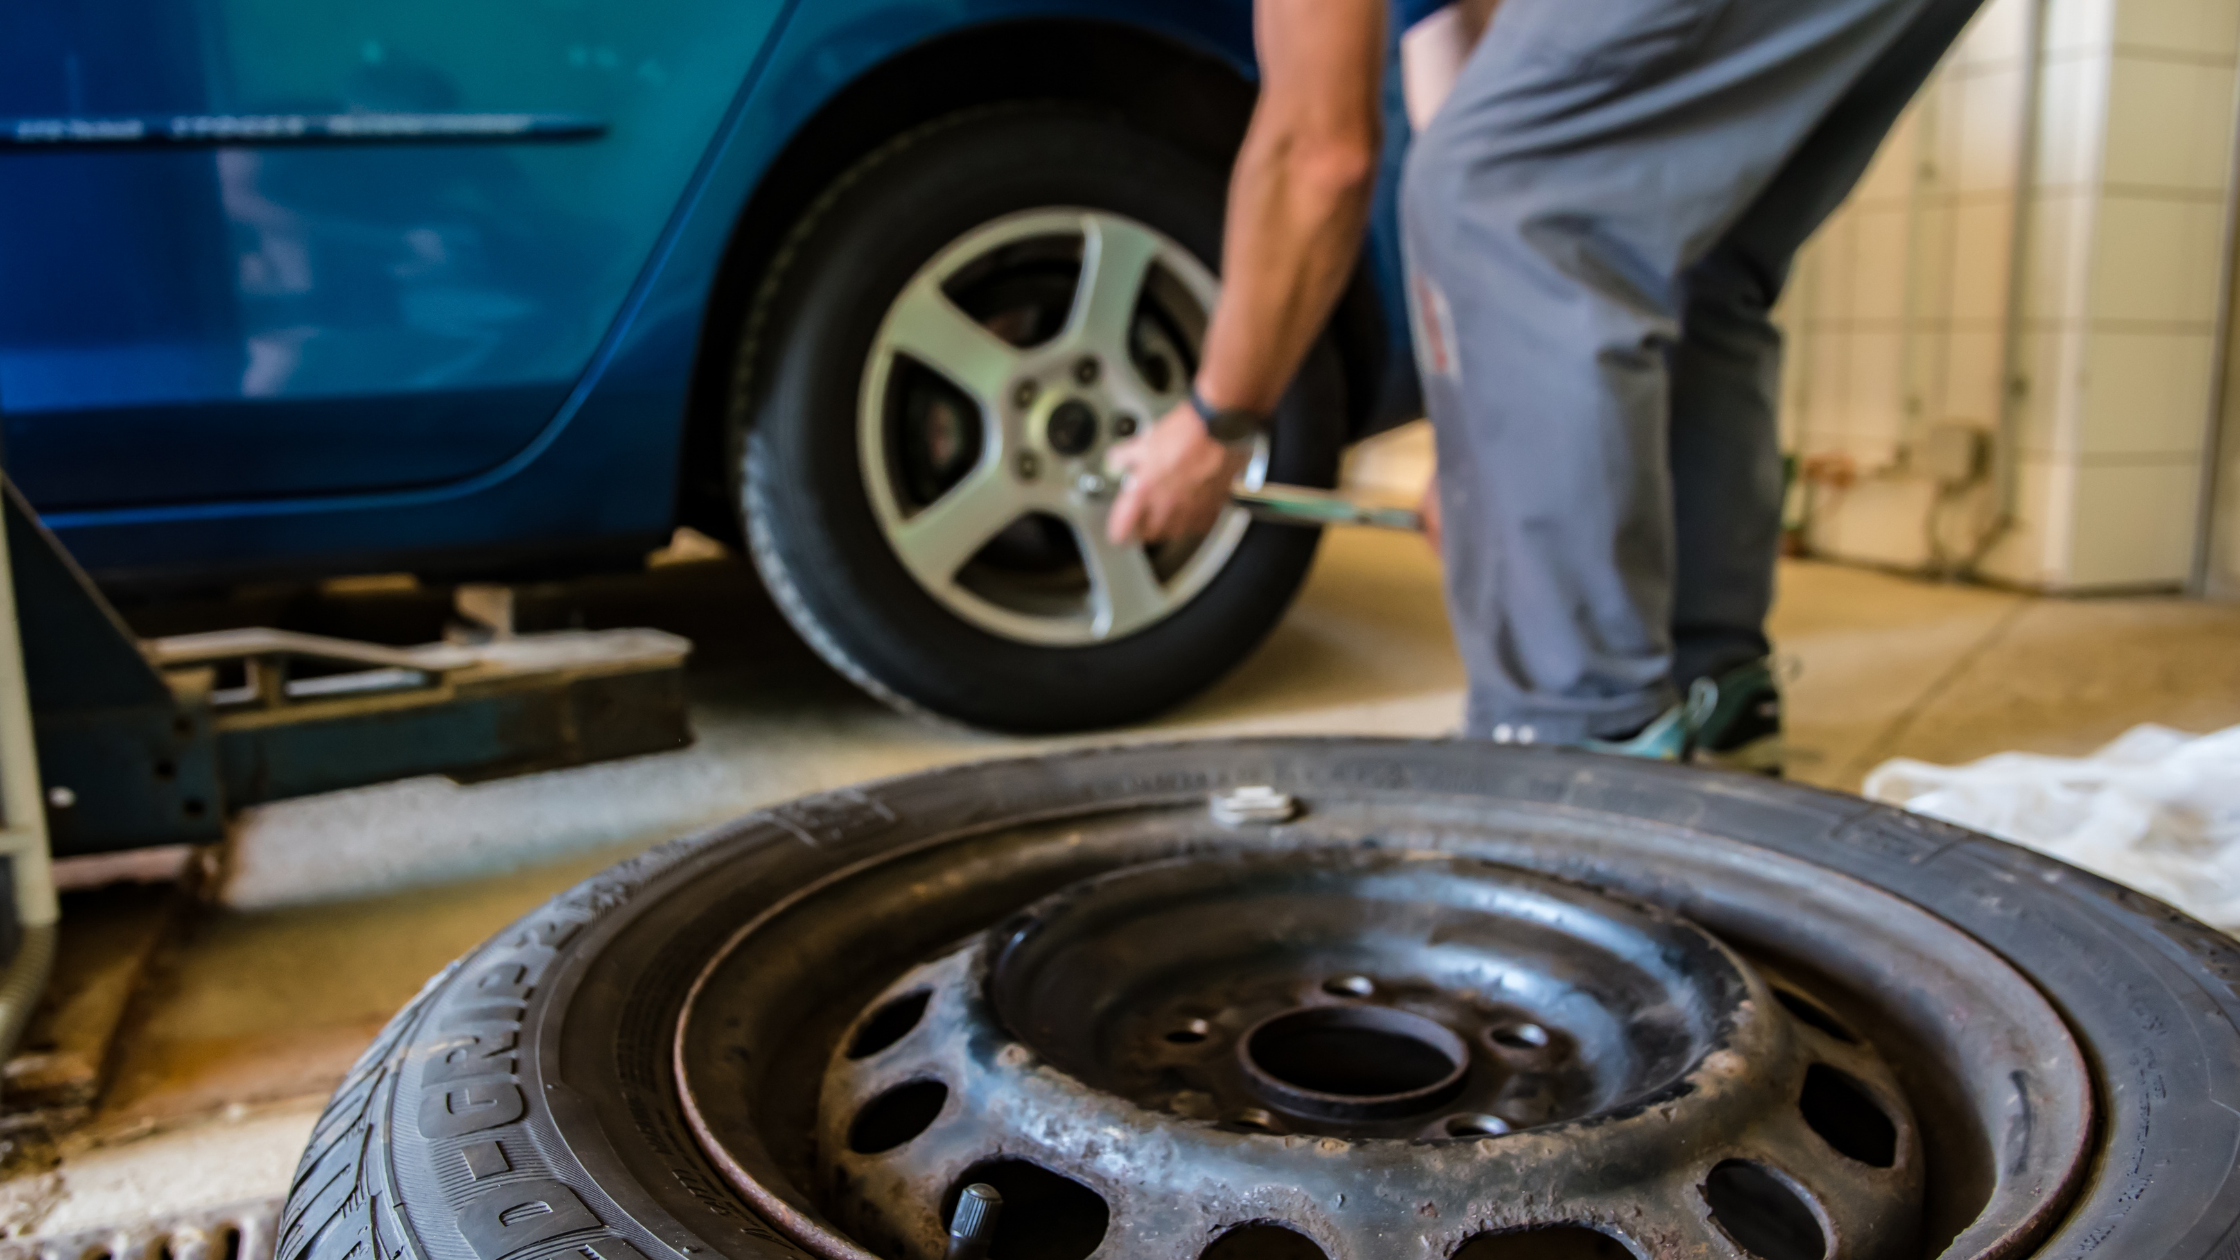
(1597, 223)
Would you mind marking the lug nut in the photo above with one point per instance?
(1024, 393)
(1086, 370)
(1092, 484)
(1029, 467)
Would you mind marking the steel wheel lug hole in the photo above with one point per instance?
(1024, 393)
(1087, 370)
(1030, 466)
(1519, 1038)
(1123, 426)
(1254, 1119)
(1193, 1033)
(1473, 1125)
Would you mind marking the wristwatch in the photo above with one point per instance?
(1227, 424)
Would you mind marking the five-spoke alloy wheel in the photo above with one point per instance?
(927, 393)
(1002, 375)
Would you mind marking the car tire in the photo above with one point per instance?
(527, 1103)
(817, 536)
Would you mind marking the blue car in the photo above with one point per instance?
(511, 287)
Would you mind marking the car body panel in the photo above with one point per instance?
(356, 315)
(243, 359)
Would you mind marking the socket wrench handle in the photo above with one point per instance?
(1303, 505)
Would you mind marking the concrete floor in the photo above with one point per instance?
(333, 910)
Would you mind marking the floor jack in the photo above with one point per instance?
(154, 742)
(115, 748)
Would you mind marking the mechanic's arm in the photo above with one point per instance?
(1298, 203)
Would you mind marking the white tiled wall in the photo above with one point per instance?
(1896, 317)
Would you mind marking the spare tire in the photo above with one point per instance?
(1735, 1017)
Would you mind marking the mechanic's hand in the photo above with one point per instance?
(1177, 480)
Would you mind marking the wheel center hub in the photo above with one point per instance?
(1359, 998)
(1072, 428)
(1353, 1062)
(1378, 1030)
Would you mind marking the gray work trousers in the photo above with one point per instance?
(1597, 224)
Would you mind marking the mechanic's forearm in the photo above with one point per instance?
(1300, 196)
(1294, 233)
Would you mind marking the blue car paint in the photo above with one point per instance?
(572, 436)
(399, 314)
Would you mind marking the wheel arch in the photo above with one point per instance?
(1191, 97)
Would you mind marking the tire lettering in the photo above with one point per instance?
(484, 1013)
(547, 934)
(510, 978)
(455, 1111)
(479, 1037)
(841, 817)
(513, 1217)
(472, 1050)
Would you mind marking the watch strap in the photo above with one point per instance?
(1227, 424)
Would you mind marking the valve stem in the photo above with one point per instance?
(973, 1226)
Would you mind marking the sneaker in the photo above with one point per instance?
(1671, 736)
(1741, 724)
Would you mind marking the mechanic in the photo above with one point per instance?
(1597, 222)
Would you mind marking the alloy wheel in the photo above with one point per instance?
(1008, 367)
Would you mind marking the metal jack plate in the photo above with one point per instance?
(152, 743)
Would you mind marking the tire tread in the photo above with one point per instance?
(752, 471)
(330, 1208)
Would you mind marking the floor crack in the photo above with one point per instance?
(1883, 745)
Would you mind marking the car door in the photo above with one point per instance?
(281, 248)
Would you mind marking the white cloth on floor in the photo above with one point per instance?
(2158, 810)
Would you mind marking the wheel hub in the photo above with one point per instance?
(994, 388)
(1437, 1045)
(1072, 427)
(1347, 1064)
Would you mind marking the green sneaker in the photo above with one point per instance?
(1671, 737)
(1741, 724)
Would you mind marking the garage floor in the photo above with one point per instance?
(333, 910)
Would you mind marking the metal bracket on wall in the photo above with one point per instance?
(151, 743)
